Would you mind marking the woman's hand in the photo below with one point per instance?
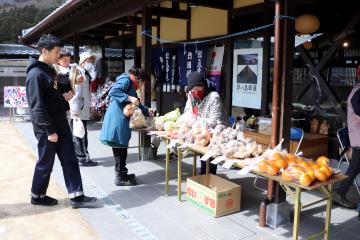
(134, 100)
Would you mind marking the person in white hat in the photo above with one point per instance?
(80, 107)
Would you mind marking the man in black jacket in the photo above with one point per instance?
(51, 128)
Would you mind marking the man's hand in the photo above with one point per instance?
(53, 137)
(134, 100)
(68, 96)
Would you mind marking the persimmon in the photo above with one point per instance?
(311, 174)
(291, 156)
(280, 163)
(323, 161)
(327, 170)
(262, 165)
(304, 164)
(277, 156)
(305, 179)
(272, 170)
(321, 176)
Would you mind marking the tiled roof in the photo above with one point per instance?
(16, 49)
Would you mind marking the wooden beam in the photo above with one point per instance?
(170, 13)
(99, 14)
(223, 4)
(251, 10)
(100, 33)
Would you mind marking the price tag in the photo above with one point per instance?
(249, 168)
(228, 164)
(218, 160)
(206, 156)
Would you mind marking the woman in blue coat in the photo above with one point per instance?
(115, 130)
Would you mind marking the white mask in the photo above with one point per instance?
(90, 68)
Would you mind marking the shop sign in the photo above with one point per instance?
(247, 78)
(15, 97)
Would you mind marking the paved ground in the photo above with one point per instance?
(143, 212)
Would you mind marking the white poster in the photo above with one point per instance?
(247, 78)
(214, 64)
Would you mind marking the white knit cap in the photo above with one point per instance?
(84, 56)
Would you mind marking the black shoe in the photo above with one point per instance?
(88, 164)
(125, 180)
(45, 201)
(342, 201)
(82, 202)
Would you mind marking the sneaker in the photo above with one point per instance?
(88, 164)
(45, 201)
(82, 202)
(342, 201)
(126, 180)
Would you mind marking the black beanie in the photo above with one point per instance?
(196, 79)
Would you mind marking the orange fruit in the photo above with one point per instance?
(322, 161)
(280, 163)
(311, 163)
(327, 170)
(305, 179)
(272, 170)
(271, 162)
(262, 166)
(286, 176)
(311, 174)
(321, 176)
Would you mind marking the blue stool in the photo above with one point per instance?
(231, 120)
(297, 134)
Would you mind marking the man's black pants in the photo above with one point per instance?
(64, 148)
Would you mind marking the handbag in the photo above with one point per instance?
(78, 128)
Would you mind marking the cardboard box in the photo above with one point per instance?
(214, 195)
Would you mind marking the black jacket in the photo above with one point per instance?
(46, 103)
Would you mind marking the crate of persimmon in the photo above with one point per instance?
(294, 168)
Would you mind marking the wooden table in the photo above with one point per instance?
(292, 189)
(312, 146)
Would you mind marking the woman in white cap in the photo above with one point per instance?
(80, 107)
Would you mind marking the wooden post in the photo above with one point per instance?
(76, 48)
(146, 64)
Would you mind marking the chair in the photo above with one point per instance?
(344, 141)
(296, 134)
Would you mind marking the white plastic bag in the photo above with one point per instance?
(137, 119)
(78, 128)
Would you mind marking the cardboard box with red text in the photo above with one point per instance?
(214, 195)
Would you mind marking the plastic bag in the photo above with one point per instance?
(78, 128)
(137, 119)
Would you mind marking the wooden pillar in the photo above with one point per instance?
(287, 72)
(146, 63)
(76, 43)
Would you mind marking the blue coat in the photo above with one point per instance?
(115, 130)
